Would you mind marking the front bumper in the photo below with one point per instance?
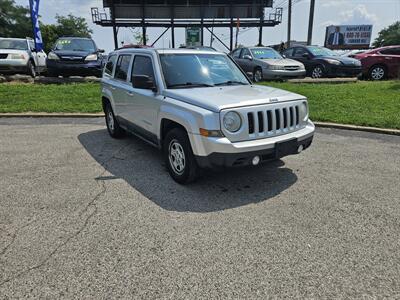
(13, 66)
(58, 67)
(220, 152)
(283, 74)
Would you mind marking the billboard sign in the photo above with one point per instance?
(348, 36)
(193, 36)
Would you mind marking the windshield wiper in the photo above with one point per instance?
(190, 84)
(230, 82)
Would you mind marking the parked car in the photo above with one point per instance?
(20, 56)
(381, 63)
(201, 110)
(73, 56)
(322, 62)
(267, 63)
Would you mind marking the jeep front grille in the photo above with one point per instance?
(286, 118)
(264, 121)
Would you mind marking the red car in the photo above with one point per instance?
(381, 63)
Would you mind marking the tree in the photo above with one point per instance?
(15, 20)
(65, 26)
(388, 36)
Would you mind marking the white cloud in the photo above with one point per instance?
(358, 15)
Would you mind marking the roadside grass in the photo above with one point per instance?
(77, 97)
(362, 103)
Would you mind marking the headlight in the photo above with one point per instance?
(17, 56)
(232, 121)
(53, 56)
(304, 111)
(91, 57)
(332, 61)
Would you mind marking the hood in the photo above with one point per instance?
(218, 98)
(344, 60)
(13, 51)
(82, 54)
(282, 62)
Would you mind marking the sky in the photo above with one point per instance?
(379, 13)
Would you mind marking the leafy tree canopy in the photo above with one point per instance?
(388, 36)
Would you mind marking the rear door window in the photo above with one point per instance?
(122, 68)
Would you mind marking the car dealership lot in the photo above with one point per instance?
(87, 216)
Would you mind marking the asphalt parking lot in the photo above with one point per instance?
(86, 216)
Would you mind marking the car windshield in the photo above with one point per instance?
(75, 45)
(200, 70)
(321, 51)
(265, 53)
(13, 44)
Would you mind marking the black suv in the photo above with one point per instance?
(74, 56)
(322, 62)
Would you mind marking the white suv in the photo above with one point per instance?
(201, 110)
(20, 56)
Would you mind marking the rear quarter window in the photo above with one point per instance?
(110, 65)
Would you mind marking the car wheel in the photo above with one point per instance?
(113, 127)
(179, 158)
(377, 73)
(257, 75)
(317, 72)
(31, 69)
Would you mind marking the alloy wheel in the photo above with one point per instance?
(176, 156)
(257, 75)
(317, 72)
(377, 73)
(110, 119)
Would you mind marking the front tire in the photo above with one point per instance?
(113, 127)
(257, 75)
(377, 73)
(179, 157)
(31, 69)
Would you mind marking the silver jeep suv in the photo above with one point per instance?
(201, 110)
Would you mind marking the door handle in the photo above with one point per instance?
(129, 94)
(112, 87)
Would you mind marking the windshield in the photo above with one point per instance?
(75, 45)
(265, 53)
(321, 51)
(13, 44)
(200, 70)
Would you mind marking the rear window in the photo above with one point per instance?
(121, 71)
(110, 65)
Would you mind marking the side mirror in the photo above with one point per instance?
(283, 55)
(101, 50)
(143, 82)
(248, 57)
(305, 55)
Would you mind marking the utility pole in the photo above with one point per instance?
(310, 22)
(289, 24)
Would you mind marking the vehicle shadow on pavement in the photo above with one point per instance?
(142, 167)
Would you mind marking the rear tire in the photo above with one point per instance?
(377, 72)
(179, 157)
(317, 72)
(257, 75)
(113, 127)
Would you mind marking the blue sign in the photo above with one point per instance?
(34, 4)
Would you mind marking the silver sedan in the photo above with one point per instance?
(266, 63)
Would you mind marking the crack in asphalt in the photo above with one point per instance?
(91, 203)
(14, 237)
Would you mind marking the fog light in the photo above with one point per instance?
(256, 160)
(300, 149)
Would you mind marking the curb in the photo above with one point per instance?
(97, 115)
(358, 128)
